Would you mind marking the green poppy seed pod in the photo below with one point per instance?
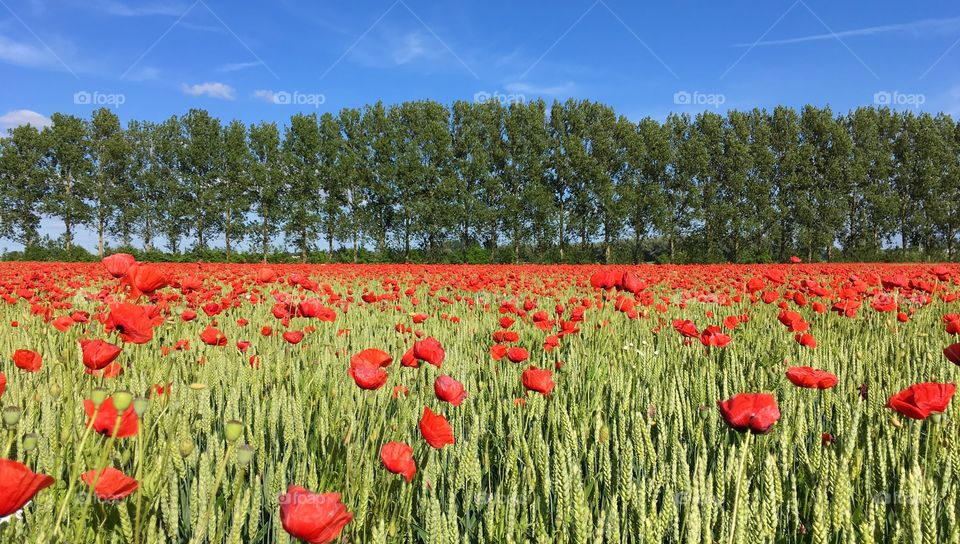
(55, 390)
(140, 405)
(11, 416)
(245, 454)
(97, 396)
(232, 430)
(937, 417)
(122, 400)
(30, 442)
(185, 447)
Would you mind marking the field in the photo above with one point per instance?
(602, 404)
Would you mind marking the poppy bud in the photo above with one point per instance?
(245, 454)
(604, 434)
(55, 390)
(232, 430)
(97, 396)
(30, 442)
(186, 447)
(121, 401)
(937, 417)
(11, 416)
(140, 405)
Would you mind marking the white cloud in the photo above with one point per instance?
(138, 9)
(16, 118)
(409, 48)
(24, 54)
(212, 89)
(917, 28)
(237, 66)
(526, 88)
(266, 95)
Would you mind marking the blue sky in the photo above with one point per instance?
(267, 60)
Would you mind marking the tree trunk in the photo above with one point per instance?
(67, 218)
(563, 233)
(355, 246)
(265, 238)
(100, 228)
(330, 242)
(226, 233)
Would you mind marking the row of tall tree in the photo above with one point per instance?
(520, 180)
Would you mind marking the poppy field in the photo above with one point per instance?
(399, 403)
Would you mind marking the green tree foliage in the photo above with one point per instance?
(494, 182)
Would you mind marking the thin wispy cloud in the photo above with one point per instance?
(266, 95)
(237, 66)
(212, 89)
(917, 28)
(550, 90)
(24, 54)
(138, 9)
(16, 118)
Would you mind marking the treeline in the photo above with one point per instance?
(567, 182)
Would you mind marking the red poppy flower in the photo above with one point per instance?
(317, 518)
(18, 485)
(449, 390)
(63, 323)
(293, 337)
(756, 412)
(429, 350)
(3, 383)
(397, 457)
(373, 356)
(98, 354)
(27, 359)
(805, 376)
(213, 337)
(806, 340)
(539, 380)
(435, 429)
(686, 328)
(498, 351)
(118, 264)
(712, 337)
(112, 485)
(145, 279)
(952, 353)
(922, 399)
(132, 322)
(368, 376)
(517, 355)
(107, 418)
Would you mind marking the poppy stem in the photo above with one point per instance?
(6, 451)
(204, 519)
(136, 524)
(101, 467)
(73, 471)
(736, 490)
